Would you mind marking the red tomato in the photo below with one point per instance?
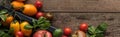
(39, 14)
(64, 36)
(42, 33)
(67, 31)
(84, 27)
(19, 34)
(38, 4)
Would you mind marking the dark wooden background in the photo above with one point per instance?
(81, 5)
(63, 18)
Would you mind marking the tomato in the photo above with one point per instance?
(67, 31)
(38, 4)
(8, 20)
(17, 5)
(29, 10)
(58, 33)
(26, 32)
(19, 34)
(15, 26)
(64, 36)
(84, 27)
(42, 33)
(39, 14)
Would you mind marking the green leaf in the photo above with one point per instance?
(11, 30)
(6, 35)
(3, 11)
(98, 31)
(1, 33)
(92, 35)
(0, 24)
(102, 26)
(3, 17)
(45, 25)
(87, 34)
(91, 30)
(28, 27)
(99, 35)
(41, 20)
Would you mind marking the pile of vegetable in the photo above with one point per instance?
(12, 26)
(86, 30)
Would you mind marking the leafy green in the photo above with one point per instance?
(2, 14)
(0, 24)
(91, 30)
(41, 23)
(11, 30)
(3, 17)
(28, 27)
(102, 26)
(3, 34)
(3, 11)
(97, 32)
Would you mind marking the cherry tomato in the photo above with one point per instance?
(39, 14)
(67, 31)
(64, 36)
(84, 27)
(19, 34)
(38, 4)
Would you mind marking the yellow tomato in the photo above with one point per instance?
(26, 32)
(15, 25)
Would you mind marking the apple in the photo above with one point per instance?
(42, 33)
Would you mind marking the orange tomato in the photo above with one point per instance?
(17, 5)
(29, 10)
(8, 20)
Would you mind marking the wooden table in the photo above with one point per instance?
(63, 17)
(81, 5)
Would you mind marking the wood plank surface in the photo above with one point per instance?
(81, 5)
(73, 21)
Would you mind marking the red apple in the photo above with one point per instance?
(42, 33)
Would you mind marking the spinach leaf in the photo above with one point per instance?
(3, 11)
(91, 30)
(41, 23)
(2, 14)
(3, 17)
(97, 32)
(102, 26)
(99, 35)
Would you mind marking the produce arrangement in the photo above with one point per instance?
(13, 23)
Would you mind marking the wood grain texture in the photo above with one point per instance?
(73, 21)
(82, 5)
